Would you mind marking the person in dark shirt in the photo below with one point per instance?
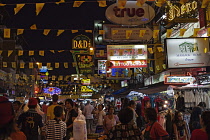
(70, 115)
(31, 121)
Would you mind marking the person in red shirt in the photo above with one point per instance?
(153, 130)
(204, 132)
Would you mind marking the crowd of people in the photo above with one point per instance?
(33, 121)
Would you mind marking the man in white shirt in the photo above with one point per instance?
(100, 116)
(132, 106)
(88, 110)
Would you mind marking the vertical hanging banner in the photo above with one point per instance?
(18, 8)
(20, 31)
(39, 7)
(78, 3)
(6, 33)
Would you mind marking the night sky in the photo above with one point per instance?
(53, 16)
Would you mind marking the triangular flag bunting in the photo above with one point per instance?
(20, 31)
(140, 2)
(46, 31)
(56, 65)
(31, 53)
(102, 3)
(65, 65)
(114, 32)
(48, 65)
(31, 65)
(9, 52)
(2, 4)
(22, 64)
(168, 33)
(17, 76)
(101, 32)
(160, 49)
(128, 33)
(20, 52)
(155, 33)
(88, 31)
(208, 31)
(182, 31)
(13, 64)
(150, 50)
(4, 64)
(18, 8)
(33, 27)
(39, 7)
(142, 33)
(6, 33)
(1, 52)
(61, 1)
(196, 32)
(41, 53)
(61, 51)
(40, 65)
(122, 3)
(101, 52)
(151, 68)
(74, 31)
(60, 32)
(52, 51)
(77, 3)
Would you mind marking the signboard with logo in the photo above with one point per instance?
(131, 14)
(102, 66)
(128, 64)
(187, 52)
(86, 89)
(52, 90)
(126, 52)
(85, 81)
(84, 61)
(179, 79)
(81, 42)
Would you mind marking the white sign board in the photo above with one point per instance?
(131, 14)
(121, 34)
(187, 52)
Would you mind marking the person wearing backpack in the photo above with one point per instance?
(31, 121)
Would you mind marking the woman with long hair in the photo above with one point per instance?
(180, 127)
(204, 132)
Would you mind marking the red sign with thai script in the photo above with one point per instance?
(128, 64)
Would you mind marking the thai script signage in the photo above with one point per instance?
(179, 80)
(187, 52)
(131, 14)
(128, 64)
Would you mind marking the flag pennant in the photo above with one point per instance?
(40, 65)
(2, 4)
(46, 31)
(78, 3)
(61, 51)
(56, 65)
(208, 31)
(9, 52)
(13, 64)
(101, 52)
(61, 1)
(140, 2)
(22, 65)
(168, 33)
(155, 33)
(52, 51)
(196, 32)
(20, 31)
(150, 50)
(114, 32)
(140, 51)
(182, 31)
(33, 27)
(128, 33)
(102, 3)
(1, 52)
(142, 33)
(48, 65)
(53, 77)
(74, 31)
(6, 33)
(39, 7)
(60, 77)
(101, 32)
(60, 32)
(18, 8)
(30, 53)
(65, 65)
(88, 31)
(31, 65)
(121, 3)
(41, 53)
(4, 64)
(160, 49)
(20, 52)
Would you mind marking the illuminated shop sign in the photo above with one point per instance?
(187, 52)
(81, 42)
(85, 81)
(52, 90)
(85, 89)
(176, 11)
(178, 79)
(128, 64)
(102, 66)
(131, 14)
(86, 94)
(126, 52)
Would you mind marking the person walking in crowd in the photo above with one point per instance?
(196, 115)
(100, 118)
(125, 130)
(88, 113)
(50, 109)
(204, 132)
(110, 120)
(56, 128)
(180, 127)
(8, 128)
(31, 121)
(17, 109)
(153, 130)
(132, 106)
(70, 115)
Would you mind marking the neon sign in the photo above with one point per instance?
(81, 42)
(52, 90)
(176, 11)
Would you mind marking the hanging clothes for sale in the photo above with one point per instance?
(180, 104)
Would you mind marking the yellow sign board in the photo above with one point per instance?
(86, 89)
